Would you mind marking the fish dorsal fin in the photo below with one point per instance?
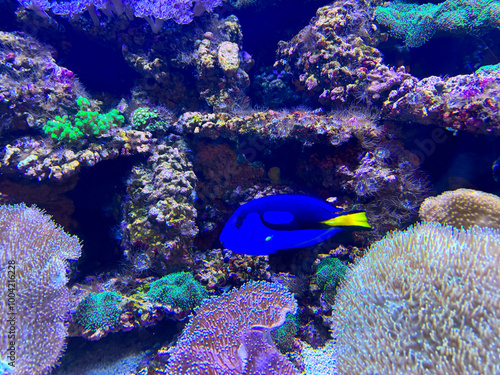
(278, 217)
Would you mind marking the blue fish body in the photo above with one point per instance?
(266, 225)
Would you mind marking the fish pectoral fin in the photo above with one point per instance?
(355, 219)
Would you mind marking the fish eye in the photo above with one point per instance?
(239, 221)
(268, 238)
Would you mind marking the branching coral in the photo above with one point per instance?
(424, 301)
(462, 208)
(35, 299)
(227, 334)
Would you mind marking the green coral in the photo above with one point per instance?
(148, 119)
(86, 123)
(284, 335)
(99, 310)
(416, 24)
(330, 273)
(488, 69)
(179, 290)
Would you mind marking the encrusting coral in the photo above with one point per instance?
(159, 223)
(284, 336)
(35, 299)
(152, 120)
(422, 301)
(33, 88)
(461, 103)
(333, 61)
(179, 290)
(462, 208)
(416, 24)
(39, 158)
(329, 276)
(99, 310)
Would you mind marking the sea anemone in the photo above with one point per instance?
(422, 301)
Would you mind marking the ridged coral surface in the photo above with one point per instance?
(422, 301)
(226, 334)
(37, 248)
(462, 208)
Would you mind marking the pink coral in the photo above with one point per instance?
(226, 335)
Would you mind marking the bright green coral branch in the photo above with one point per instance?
(86, 123)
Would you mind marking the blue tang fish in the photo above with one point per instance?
(266, 225)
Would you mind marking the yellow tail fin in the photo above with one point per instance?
(354, 219)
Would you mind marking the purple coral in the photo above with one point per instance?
(178, 10)
(331, 59)
(153, 11)
(33, 262)
(38, 6)
(226, 336)
(464, 102)
(33, 88)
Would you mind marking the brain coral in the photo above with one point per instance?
(422, 301)
(34, 299)
(462, 208)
